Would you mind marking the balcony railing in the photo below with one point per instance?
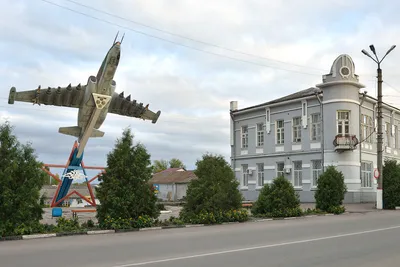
(344, 142)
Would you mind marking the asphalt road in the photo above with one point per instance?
(367, 240)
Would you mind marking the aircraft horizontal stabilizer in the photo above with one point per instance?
(97, 133)
(72, 130)
(76, 131)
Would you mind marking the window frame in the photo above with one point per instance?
(245, 136)
(245, 176)
(366, 182)
(260, 174)
(279, 132)
(345, 122)
(296, 129)
(316, 125)
(280, 171)
(315, 172)
(260, 136)
(297, 172)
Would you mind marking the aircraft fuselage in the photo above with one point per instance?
(103, 84)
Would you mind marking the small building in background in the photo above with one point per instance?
(74, 200)
(171, 184)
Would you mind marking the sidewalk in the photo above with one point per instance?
(356, 207)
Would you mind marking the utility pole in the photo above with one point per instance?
(379, 147)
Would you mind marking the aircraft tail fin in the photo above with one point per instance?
(76, 131)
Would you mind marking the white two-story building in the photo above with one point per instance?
(333, 123)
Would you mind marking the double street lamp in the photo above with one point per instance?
(379, 191)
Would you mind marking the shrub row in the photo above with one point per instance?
(209, 217)
(281, 200)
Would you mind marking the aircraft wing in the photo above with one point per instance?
(70, 96)
(125, 107)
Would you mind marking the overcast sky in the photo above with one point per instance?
(187, 68)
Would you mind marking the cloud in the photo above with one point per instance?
(286, 47)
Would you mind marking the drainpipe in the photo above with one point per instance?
(233, 147)
(359, 125)
(233, 107)
(322, 133)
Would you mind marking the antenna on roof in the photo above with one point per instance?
(115, 39)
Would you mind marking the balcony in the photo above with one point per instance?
(345, 142)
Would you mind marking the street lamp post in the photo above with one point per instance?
(379, 191)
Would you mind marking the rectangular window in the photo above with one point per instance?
(366, 174)
(260, 174)
(363, 128)
(279, 169)
(367, 128)
(316, 127)
(343, 122)
(297, 173)
(316, 171)
(245, 137)
(297, 129)
(245, 176)
(260, 134)
(280, 133)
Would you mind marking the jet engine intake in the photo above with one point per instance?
(112, 87)
(91, 84)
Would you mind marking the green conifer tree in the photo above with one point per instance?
(216, 188)
(124, 190)
(21, 180)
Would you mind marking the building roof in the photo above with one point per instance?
(173, 175)
(300, 94)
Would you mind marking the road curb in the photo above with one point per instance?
(38, 236)
(292, 218)
(193, 225)
(150, 228)
(97, 232)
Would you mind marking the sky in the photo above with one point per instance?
(187, 58)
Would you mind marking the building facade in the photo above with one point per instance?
(171, 184)
(297, 136)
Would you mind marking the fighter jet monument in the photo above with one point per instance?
(94, 101)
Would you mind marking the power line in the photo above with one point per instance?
(176, 43)
(192, 39)
(394, 88)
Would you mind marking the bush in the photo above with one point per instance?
(89, 224)
(391, 184)
(21, 179)
(127, 223)
(214, 192)
(330, 191)
(124, 191)
(216, 217)
(278, 200)
(67, 225)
